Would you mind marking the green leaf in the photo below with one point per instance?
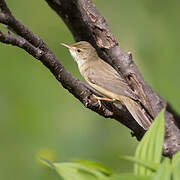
(150, 147)
(149, 165)
(47, 163)
(176, 166)
(176, 174)
(95, 165)
(164, 172)
(176, 160)
(128, 176)
(77, 171)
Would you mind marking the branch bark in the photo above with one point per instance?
(86, 23)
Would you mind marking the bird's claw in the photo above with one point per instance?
(98, 100)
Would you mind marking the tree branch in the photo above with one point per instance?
(85, 23)
(82, 91)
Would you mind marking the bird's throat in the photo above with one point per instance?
(76, 57)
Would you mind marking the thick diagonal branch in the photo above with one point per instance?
(86, 23)
(38, 49)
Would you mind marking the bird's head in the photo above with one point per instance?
(81, 51)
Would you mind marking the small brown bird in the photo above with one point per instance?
(105, 79)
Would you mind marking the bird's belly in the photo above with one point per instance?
(105, 92)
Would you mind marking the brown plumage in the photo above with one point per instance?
(105, 79)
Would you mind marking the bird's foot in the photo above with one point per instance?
(99, 99)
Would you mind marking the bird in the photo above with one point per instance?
(107, 81)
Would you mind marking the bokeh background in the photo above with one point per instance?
(40, 118)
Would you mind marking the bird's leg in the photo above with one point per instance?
(99, 99)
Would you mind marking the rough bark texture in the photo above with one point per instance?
(86, 23)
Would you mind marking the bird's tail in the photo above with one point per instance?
(138, 113)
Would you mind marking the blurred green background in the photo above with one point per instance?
(40, 118)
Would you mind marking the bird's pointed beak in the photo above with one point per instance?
(66, 45)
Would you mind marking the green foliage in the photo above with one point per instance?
(164, 172)
(80, 170)
(142, 163)
(129, 176)
(95, 165)
(176, 166)
(176, 160)
(149, 163)
(150, 147)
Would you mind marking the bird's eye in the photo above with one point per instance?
(78, 50)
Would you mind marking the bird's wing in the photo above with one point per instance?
(106, 77)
